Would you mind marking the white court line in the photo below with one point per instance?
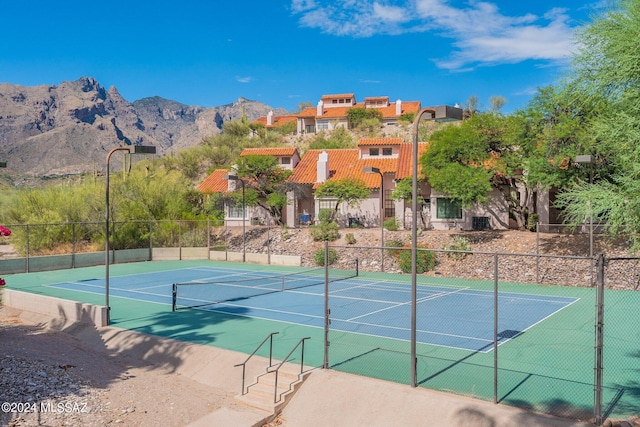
(101, 287)
(427, 298)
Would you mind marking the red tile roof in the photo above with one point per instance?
(405, 157)
(343, 163)
(277, 121)
(214, 183)
(340, 95)
(341, 112)
(269, 151)
(380, 141)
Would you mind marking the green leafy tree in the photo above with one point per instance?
(606, 73)
(484, 153)
(404, 191)
(267, 180)
(349, 190)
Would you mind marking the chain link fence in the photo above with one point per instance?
(526, 331)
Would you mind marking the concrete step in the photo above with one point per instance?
(261, 394)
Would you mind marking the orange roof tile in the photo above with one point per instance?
(343, 163)
(380, 141)
(214, 183)
(339, 95)
(405, 157)
(269, 151)
(341, 112)
(277, 121)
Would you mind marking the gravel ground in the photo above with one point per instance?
(50, 378)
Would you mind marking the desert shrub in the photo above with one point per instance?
(532, 221)
(391, 224)
(350, 238)
(425, 261)
(318, 256)
(326, 229)
(393, 244)
(458, 243)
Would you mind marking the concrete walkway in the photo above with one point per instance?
(330, 398)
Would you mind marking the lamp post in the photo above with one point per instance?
(414, 241)
(135, 149)
(244, 214)
(590, 160)
(370, 169)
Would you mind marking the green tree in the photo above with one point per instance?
(267, 180)
(605, 74)
(349, 190)
(484, 153)
(404, 191)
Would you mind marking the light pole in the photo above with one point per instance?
(414, 241)
(590, 160)
(244, 214)
(370, 169)
(135, 149)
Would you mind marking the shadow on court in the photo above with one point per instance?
(194, 326)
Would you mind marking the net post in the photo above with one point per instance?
(357, 267)
(174, 296)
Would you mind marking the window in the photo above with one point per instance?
(310, 129)
(324, 125)
(326, 204)
(285, 160)
(389, 205)
(387, 151)
(235, 211)
(448, 209)
(374, 151)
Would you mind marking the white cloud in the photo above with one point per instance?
(244, 79)
(481, 34)
(389, 13)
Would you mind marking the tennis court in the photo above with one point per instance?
(360, 305)
(545, 333)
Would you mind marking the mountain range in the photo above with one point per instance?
(69, 128)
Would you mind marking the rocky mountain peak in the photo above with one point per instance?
(69, 128)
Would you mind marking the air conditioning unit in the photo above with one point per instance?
(480, 223)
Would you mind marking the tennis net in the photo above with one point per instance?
(201, 293)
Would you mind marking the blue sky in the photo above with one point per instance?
(209, 53)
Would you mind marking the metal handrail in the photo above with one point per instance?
(244, 364)
(275, 391)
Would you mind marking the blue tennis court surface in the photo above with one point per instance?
(455, 317)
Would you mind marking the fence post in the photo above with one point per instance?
(327, 320)
(73, 245)
(599, 340)
(26, 238)
(495, 328)
(538, 252)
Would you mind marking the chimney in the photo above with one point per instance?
(398, 107)
(322, 167)
(320, 108)
(270, 118)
